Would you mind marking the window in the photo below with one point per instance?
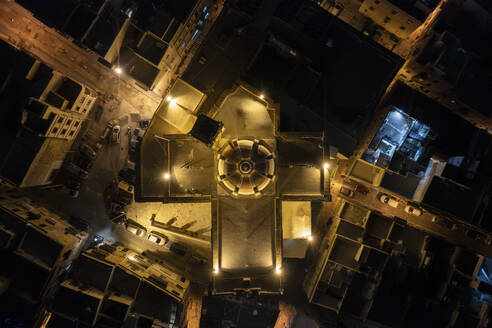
(69, 122)
(55, 130)
(89, 102)
(64, 131)
(77, 108)
(76, 123)
(60, 120)
(84, 110)
(71, 133)
(82, 100)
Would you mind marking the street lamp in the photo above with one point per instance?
(166, 176)
(171, 100)
(262, 96)
(216, 269)
(118, 70)
(326, 165)
(278, 270)
(309, 237)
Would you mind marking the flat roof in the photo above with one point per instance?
(91, 272)
(246, 230)
(41, 247)
(245, 114)
(154, 303)
(75, 304)
(451, 198)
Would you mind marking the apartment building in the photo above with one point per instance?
(42, 114)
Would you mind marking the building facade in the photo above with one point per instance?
(43, 112)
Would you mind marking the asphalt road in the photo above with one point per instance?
(19, 28)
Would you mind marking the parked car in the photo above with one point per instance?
(135, 139)
(177, 248)
(413, 210)
(82, 161)
(108, 129)
(125, 193)
(72, 187)
(98, 146)
(347, 192)
(144, 123)
(115, 134)
(87, 150)
(135, 229)
(127, 175)
(385, 199)
(442, 222)
(362, 189)
(157, 237)
(77, 171)
(459, 228)
(119, 218)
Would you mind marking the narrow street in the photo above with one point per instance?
(422, 222)
(19, 28)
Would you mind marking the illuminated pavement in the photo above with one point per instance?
(19, 28)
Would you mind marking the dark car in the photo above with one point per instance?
(82, 161)
(144, 123)
(177, 248)
(72, 187)
(119, 218)
(362, 189)
(127, 175)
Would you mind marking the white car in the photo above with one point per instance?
(157, 238)
(385, 199)
(115, 134)
(413, 210)
(135, 229)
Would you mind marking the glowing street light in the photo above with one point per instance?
(278, 270)
(166, 176)
(216, 269)
(326, 165)
(262, 96)
(118, 70)
(171, 100)
(309, 237)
